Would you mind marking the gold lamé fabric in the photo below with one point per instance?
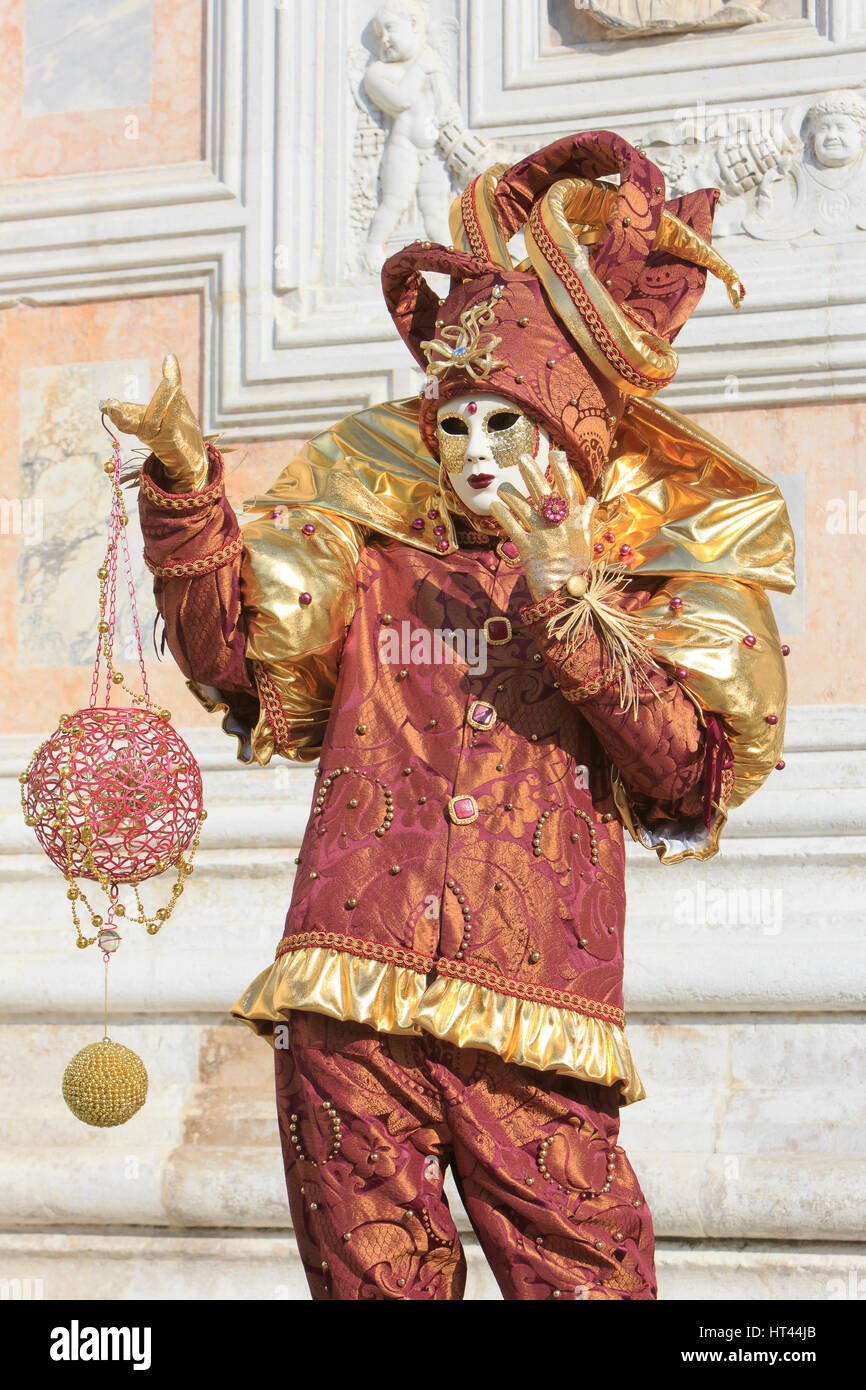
(530, 1034)
(294, 646)
(718, 531)
(394, 999)
(327, 981)
(371, 468)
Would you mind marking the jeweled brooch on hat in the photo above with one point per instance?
(465, 345)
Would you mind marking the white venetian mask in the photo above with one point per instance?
(481, 440)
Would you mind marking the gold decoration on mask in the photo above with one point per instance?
(507, 445)
(452, 447)
(510, 444)
(465, 345)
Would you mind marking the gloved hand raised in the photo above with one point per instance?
(168, 427)
(551, 554)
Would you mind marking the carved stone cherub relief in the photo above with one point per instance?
(408, 85)
(781, 174)
(412, 147)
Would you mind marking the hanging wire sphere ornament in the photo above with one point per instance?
(114, 793)
(114, 796)
(105, 1084)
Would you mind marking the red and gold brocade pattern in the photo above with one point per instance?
(369, 1123)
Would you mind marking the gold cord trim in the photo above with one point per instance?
(470, 222)
(181, 502)
(653, 353)
(530, 993)
(370, 950)
(576, 694)
(205, 564)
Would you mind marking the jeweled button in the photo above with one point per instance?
(497, 631)
(481, 715)
(507, 550)
(462, 809)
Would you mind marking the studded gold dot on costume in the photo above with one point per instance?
(105, 1084)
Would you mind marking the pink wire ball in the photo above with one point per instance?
(132, 789)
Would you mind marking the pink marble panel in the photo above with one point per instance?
(131, 133)
(824, 444)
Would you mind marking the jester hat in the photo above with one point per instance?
(587, 321)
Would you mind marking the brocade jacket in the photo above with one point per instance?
(462, 869)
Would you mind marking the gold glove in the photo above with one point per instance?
(169, 429)
(558, 556)
(550, 554)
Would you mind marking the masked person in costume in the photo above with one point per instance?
(448, 988)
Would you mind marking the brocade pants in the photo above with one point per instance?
(370, 1121)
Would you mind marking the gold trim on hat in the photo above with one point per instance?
(638, 361)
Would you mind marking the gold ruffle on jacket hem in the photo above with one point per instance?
(395, 999)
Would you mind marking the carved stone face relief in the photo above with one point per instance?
(775, 184)
(481, 440)
(836, 140)
(400, 33)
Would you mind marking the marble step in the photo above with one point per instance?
(144, 1264)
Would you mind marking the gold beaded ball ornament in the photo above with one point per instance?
(114, 796)
(105, 1084)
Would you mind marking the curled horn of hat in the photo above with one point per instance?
(412, 303)
(623, 326)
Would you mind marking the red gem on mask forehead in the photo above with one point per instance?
(472, 407)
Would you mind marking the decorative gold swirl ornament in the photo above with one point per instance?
(105, 1084)
(464, 345)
